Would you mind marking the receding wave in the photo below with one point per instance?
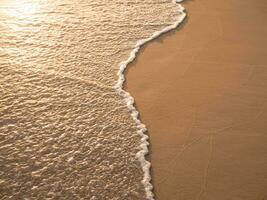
(67, 128)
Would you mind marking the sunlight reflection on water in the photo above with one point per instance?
(21, 9)
(19, 13)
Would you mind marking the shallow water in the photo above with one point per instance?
(65, 131)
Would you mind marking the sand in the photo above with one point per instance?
(201, 90)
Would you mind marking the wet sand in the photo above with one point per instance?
(202, 92)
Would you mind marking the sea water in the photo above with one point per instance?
(67, 128)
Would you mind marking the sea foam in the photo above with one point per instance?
(130, 101)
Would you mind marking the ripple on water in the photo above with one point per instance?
(65, 132)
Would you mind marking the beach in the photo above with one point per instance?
(70, 130)
(201, 91)
(67, 128)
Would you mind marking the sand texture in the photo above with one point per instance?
(202, 91)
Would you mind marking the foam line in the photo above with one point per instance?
(130, 102)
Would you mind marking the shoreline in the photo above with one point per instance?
(200, 91)
(142, 154)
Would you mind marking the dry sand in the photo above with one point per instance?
(202, 91)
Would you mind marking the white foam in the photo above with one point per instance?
(130, 102)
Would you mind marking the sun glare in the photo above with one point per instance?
(21, 8)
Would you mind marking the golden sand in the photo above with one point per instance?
(201, 91)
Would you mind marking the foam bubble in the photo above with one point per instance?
(130, 102)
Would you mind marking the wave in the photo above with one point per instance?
(130, 101)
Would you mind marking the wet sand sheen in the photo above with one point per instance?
(201, 91)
